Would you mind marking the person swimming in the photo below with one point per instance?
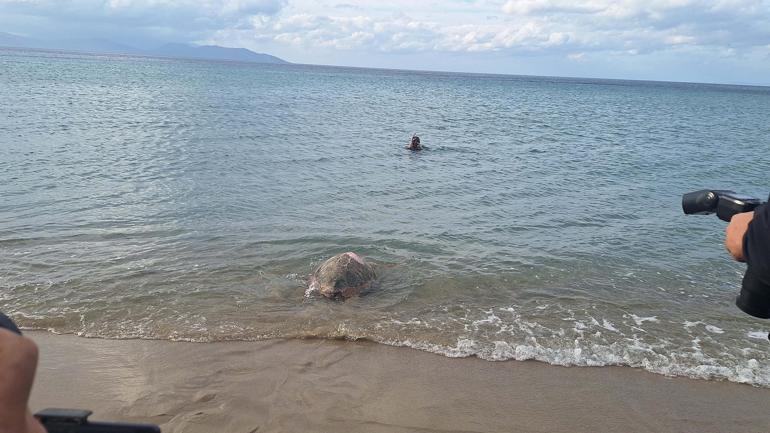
(415, 143)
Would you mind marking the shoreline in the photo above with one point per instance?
(348, 386)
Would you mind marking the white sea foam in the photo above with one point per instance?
(700, 353)
(640, 320)
(312, 288)
(593, 355)
(411, 322)
(700, 350)
(489, 320)
(714, 329)
(606, 324)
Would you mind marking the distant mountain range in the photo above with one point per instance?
(214, 52)
(180, 51)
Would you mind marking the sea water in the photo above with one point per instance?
(189, 200)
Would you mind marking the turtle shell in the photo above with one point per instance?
(342, 276)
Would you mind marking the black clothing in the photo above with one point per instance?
(754, 298)
(7, 323)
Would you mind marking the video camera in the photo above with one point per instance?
(754, 298)
(722, 202)
(74, 420)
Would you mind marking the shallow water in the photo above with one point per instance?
(189, 200)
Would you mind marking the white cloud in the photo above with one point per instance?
(584, 32)
(528, 7)
(183, 15)
(679, 39)
(559, 26)
(532, 26)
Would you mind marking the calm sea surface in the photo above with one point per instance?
(189, 200)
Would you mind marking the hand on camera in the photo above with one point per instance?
(18, 361)
(735, 232)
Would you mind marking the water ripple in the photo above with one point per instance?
(190, 200)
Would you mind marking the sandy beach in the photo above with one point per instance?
(343, 386)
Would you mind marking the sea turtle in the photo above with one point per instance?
(342, 276)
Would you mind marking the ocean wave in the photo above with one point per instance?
(750, 371)
(495, 334)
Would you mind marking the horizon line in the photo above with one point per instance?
(290, 63)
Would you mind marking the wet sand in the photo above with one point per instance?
(341, 386)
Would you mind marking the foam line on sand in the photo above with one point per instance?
(343, 386)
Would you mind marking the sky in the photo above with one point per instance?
(723, 41)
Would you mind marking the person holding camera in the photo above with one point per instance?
(747, 238)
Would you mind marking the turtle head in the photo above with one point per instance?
(333, 287)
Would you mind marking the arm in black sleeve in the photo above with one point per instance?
(7, 323)
(755, 292)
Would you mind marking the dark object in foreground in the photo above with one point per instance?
(754, 298)
(76, 421)
(7, 323)
(722, 202)
(73, 420)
